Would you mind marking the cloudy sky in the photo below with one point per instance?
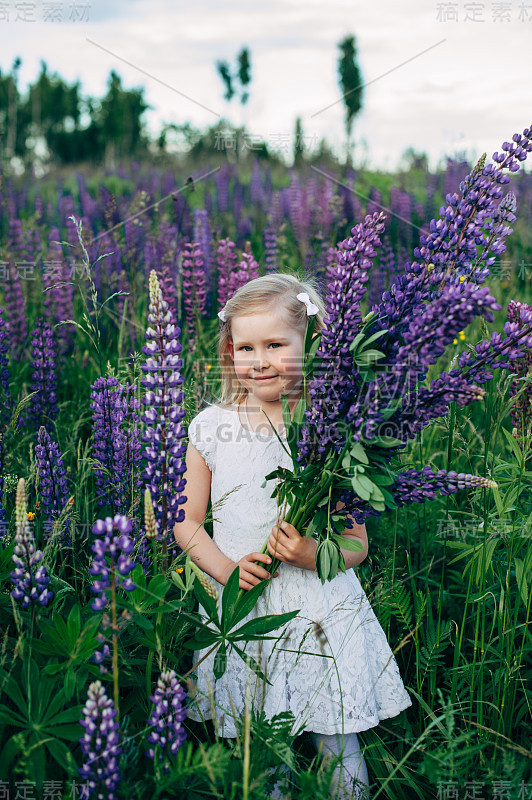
(441, 77)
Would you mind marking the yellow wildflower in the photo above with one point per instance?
(30, 515)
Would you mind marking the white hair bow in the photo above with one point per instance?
(221, 314)
(311, 308)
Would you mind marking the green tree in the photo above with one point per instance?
(241, 76)
(9, 102)
(51, 111)
(350, 80)
(224, 71)
(299, 154)
(119, 121)
(244, 73)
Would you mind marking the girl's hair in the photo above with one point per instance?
(273, 292)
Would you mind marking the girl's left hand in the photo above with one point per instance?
(286, 544)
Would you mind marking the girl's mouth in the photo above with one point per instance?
(269, 378)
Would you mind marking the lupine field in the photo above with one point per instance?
(111, 284)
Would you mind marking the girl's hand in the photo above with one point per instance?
(287, 544)
(250, 573)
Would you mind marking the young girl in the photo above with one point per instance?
(333, 668)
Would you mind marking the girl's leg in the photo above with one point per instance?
(351, 772)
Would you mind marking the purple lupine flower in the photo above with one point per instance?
(271, 250)
(58, 292)
(53, 487)
(299, 212)
(166, 720)
(43, 410)
(165, 449)
(202, 236)
(16, 314)
(425, 341)
(160, 254)
(29, 579)
(112, 557)
(16, 244)
(418, 486)
(256, 191)
(221, 179)
(331, 389)
(117, 448)
(521, 410)
(246, 270)
(460, 383)
(33, 246)
(6, 401)
(194, 289)
(226, 259)
(450, 252)
(3, 522)
(374, 202)
(100, 745)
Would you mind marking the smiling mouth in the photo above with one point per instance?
(269, 378)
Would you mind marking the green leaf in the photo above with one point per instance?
(358, 452)
(323, 562)
(348, 544)
(74, 623)
(374, 337)
(157, 588)
(299, 411)
(62, 755)
(69, 686)
(208, 602)
(12, 690)
(229, 598)
(203, 638)
(513, 445)
(220, 661)
(359, 489)
(53, 669)
(262, 625)
(368, 357)
(520, 576)
(8, 753)
(142, 622)
(356, 341)
(248, 601)
(385, 441)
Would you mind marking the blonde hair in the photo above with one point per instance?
(275, 290)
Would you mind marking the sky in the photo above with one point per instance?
(444, 78)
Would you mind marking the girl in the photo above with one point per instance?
(333, 668)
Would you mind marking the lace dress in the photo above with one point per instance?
(333, 668)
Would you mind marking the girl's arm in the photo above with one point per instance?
(360, 535)
(190, 534)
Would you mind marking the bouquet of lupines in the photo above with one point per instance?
(365, 374)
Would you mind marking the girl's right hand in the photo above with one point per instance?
(250, 573)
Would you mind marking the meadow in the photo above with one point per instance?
(113, 601)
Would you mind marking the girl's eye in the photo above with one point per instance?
(247, 345)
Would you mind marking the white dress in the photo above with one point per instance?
(333, 668)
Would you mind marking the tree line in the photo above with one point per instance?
(53, 123)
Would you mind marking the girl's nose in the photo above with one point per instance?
(261, 361)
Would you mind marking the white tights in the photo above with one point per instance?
(352, 766)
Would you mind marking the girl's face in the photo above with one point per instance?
(264, 346)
